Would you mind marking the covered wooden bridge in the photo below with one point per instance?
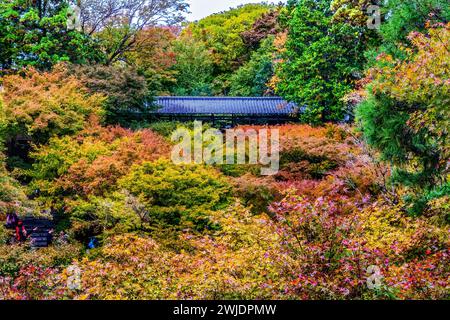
(225, 111)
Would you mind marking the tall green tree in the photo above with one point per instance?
(193, 68)
(35, 33)
(322, 60)
(251, 79)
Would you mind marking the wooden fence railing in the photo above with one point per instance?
(215, 119)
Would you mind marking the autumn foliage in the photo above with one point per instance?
(355, 211)
(92, 162)
(47, 104)
(179, 232)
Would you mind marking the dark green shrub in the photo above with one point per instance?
(125, 89)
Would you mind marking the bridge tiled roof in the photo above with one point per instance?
(224, 105)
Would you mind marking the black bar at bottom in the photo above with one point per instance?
(228, 309)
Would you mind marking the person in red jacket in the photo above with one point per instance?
(21, 232)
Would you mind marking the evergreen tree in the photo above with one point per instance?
(406, 115)
(403, 17)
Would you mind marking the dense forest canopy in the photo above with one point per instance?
(363, 180)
